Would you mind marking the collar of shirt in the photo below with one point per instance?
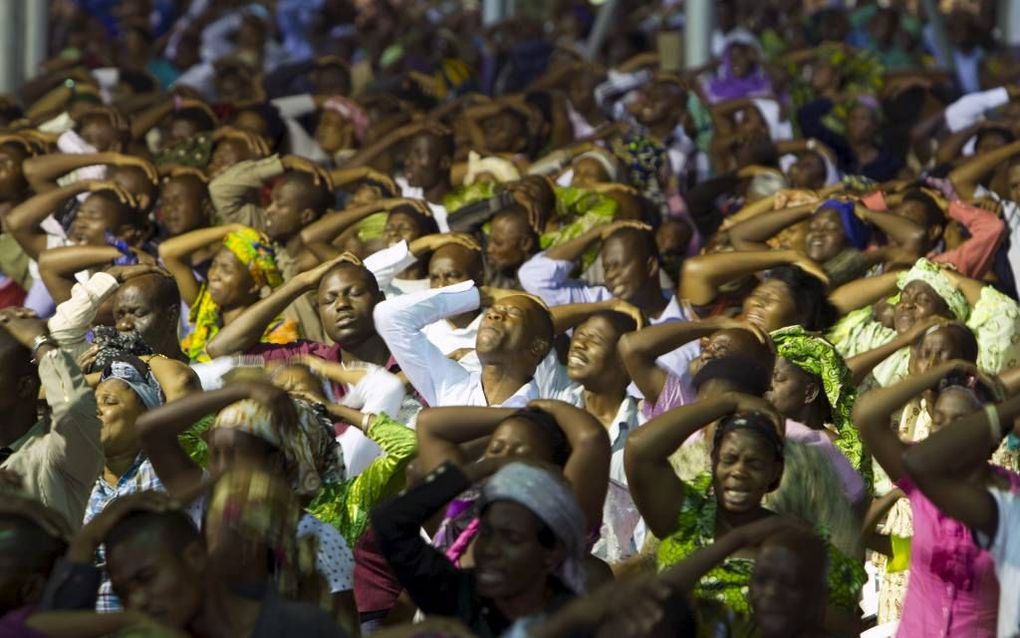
(672, 312)
(519, 399)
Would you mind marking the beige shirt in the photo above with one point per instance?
(60, 458)
(231, 194)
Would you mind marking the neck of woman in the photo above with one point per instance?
(527, 603)
(116, 466)
(726, 520)
(437, 191)
(812, 416)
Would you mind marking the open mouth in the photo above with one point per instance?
(738, 497)
(576, 359)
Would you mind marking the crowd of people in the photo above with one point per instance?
(343, 317)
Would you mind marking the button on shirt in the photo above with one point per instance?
(550, 280)
(439, 380)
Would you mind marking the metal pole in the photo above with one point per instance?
(599, 30)
(36, 33)
(1009, 21)
(10, 69)
(698, 26)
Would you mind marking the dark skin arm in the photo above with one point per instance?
(862, 364)
(569, 316)
(319, 235)
(863, 292)
(58, 265)
(704, 275)
(874, 409)
(573, 249)
(23, 220)
(939, 463)
(971, 288)
(442, 432)
(176, 255)
(43, 171)
(658, 492)
(587, 467)
(898, 229)
(245, 331)
(966, 176)
(752, 234)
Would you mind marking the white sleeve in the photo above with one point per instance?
(399, 321)
(970, 108)
(387, 263)
(73, 317)
(1008, 510)
(549, 280)
(379, 391)
(294, 105)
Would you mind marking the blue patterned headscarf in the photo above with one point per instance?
(139, 378)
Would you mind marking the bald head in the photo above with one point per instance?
(453, 263)
(150, 305)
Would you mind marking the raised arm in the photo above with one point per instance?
(658, 492)
(862, 364)
(573, 249)
(899, 229)
(176, 253)
(862, 292)
(966, 176)
(160, 428)
(319, 235)
(639, 350)
(587, 467)
(57, 266)
(442, 432)
(752, 234)
(43, 171)
(704, 275)
(246, 330)
(24, 219)
(971, 288)
(874, 409)
(939, 464)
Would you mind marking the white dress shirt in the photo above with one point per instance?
(550, 280)
(439, 380)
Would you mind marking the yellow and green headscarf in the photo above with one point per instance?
(255, 251)
(816, 356)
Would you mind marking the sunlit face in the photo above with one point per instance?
(744, 470)
(506, 326)
(229, 283)
(918, 301)
(588, 171)
(453, 264)
(423, 165)
(627, 274)
(509, 243)
(346, 301)
(792, 388)
(333, 132)
(936, 347)
(770, 306)
(592, 351)
(286, 215)
(135, 310)
(181, 208)
(96, 217)
(825, 236)
(118, 407)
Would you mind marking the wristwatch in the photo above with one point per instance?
(40, 341)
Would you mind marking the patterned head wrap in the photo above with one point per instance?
(552, 501)
(816, 356)
(930, 273)
(138, 377)
(350, 111)
(857, 233)
(310, 453)
(259, 506)
(114, 345)
(255, 251)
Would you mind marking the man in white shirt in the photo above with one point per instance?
(631, 264)
(514, 335)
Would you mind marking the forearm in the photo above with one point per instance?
(42, 172)
(330, 226)
(172, 419)
(67, 260)
(658, 439)
(899, 229)
(144, 122)
(874, 408)
(180, 248)
(28, 215)
(441, 432)
(572, 315)
(702, 276)
(370, 153)
(245, 332)
(965, 177)
(862, 364)
(952, 147)
(750, 234)
(573, 249)
(687, 573)
(862, 292)
(971, 288)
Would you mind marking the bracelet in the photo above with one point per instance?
(812, 144)
(994, 423)
(365, 420)
(37, 343)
